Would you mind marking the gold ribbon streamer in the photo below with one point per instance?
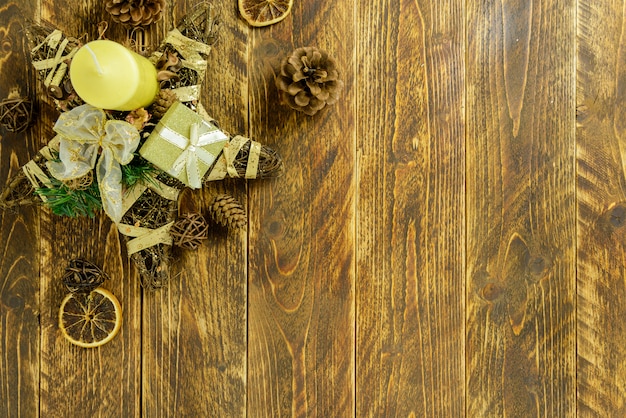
(163, 190)
(187, 93)
(33, 173)
(253, 160)
(183, 44)
(189, 49)
(57, 65)
(145, 237)
(225, 164)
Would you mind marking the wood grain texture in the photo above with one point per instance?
(301, 293)
(601, 192)
(194, 344)
(104, 381)
(520, 208)
(410, 224)
(19, 232)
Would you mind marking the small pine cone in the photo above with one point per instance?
(83, 276)
(189, 231)
(162, 103)
(135, 12)
(308, 80)
(227, 211)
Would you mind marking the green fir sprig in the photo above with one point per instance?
(64, 201)
(138, 170)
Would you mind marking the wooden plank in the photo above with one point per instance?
(601, 192)
(410, 228)
(19, 233)
(301, 294)
(194, 342)
(77, 381)
(521, 340)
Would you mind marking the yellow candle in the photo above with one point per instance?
(107, 75)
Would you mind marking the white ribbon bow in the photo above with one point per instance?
(83, 131)
(192, 151)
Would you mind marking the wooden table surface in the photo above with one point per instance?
(448, 240)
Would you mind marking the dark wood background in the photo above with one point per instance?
(448, 240)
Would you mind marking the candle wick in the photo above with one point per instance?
(95, 60)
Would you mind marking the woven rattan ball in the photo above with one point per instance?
(189, 231)
(83, 276)
(15, 114)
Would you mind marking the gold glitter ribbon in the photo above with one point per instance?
(35, 174)
(225, 164)
(191, 50)
(56, 64)
(146, 237)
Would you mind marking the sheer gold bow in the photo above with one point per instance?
(83, 131)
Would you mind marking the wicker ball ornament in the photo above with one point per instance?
(308, 80)
(15, 113)
(83, 276)
(135, 12)
(189, 231)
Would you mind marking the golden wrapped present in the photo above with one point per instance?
(184, 145)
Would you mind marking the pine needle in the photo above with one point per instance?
(137, 171)
(64, 201)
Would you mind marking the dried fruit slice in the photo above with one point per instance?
(90, 319)
(264, 12)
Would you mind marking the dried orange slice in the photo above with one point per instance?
(264, 12)
(90, 319)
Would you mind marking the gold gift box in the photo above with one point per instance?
(174, 135)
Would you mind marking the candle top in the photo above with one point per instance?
(107, 75)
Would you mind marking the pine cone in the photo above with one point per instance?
(135, 12)
(162, 103)
(227, 211)
(83, 276)
(308, 80)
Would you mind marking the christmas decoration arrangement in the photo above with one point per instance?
(132, 134)
(133, 137)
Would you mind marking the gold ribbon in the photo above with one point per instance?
(225, 164)
(191, 50)
(56, 64)
(35, 175)
(145, 237)
(134, 193)
(83, 131)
